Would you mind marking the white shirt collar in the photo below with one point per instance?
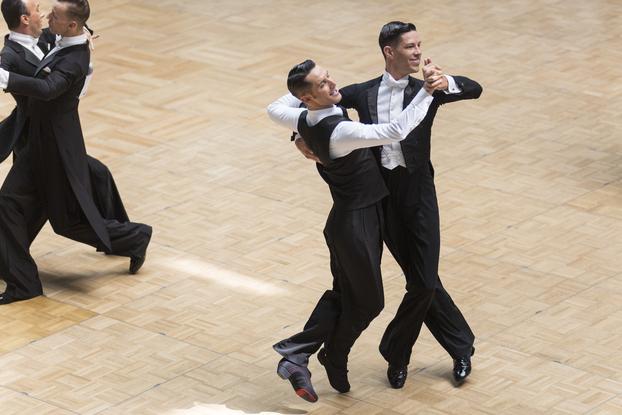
(315, 116)
(65, 42)
(388, 80)
(25, 40)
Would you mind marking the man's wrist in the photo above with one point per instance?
(452, 86)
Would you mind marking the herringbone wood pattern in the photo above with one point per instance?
(529, 181)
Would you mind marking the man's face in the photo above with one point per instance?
(323, 91)
(407, 53)
(35, 18)
(58, 21)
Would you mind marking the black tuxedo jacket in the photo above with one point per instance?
(55, 136)
(14, 58)
(363, 98)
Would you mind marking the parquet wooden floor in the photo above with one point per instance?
(529, 181)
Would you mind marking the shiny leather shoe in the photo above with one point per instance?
(337, 377)
(397, 376)
(462, 368)
(137, 261)
(299, 377)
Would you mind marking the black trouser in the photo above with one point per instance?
(354, 240)
(105, 193)
(412, 234)
(23, 213)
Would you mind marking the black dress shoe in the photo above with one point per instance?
(8, 298)
(397, 376)
(137, 261)
(462, 368)
(299, 377)
(337, 377)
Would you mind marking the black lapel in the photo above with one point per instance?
(372, 102)
(46, 61)
(49, 58)
(27, 56)
(31, 58)
(411, 90)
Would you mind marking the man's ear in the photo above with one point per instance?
(24, 19)
(388, 51)
(306, 98)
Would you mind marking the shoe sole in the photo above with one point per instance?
(301, 392)
(397, 386)
(458, 383)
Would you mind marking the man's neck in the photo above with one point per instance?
(319, 107)
(23, 31)
(70, 35)
(396, 74)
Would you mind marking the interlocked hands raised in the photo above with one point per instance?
(434, 79)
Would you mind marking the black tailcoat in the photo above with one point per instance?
(55, 137)
(363, 98)
(15, 58)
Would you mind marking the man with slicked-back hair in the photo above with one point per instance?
(411, 210)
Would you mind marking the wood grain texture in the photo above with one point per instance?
(529, 181)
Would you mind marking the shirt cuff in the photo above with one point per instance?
(453, 88)
(4, 78)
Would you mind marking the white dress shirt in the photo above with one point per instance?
(390, 102)
(350, 135)
(65, 42)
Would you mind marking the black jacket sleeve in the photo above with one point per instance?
(54, 85)
(349, 95)
(8, 59)
(470, 90)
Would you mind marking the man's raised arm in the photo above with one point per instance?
(286, 111)
(350, 135)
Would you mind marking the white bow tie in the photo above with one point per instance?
(392, 83)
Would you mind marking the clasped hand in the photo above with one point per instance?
(434, 79)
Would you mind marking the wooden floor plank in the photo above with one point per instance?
(528, 177)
